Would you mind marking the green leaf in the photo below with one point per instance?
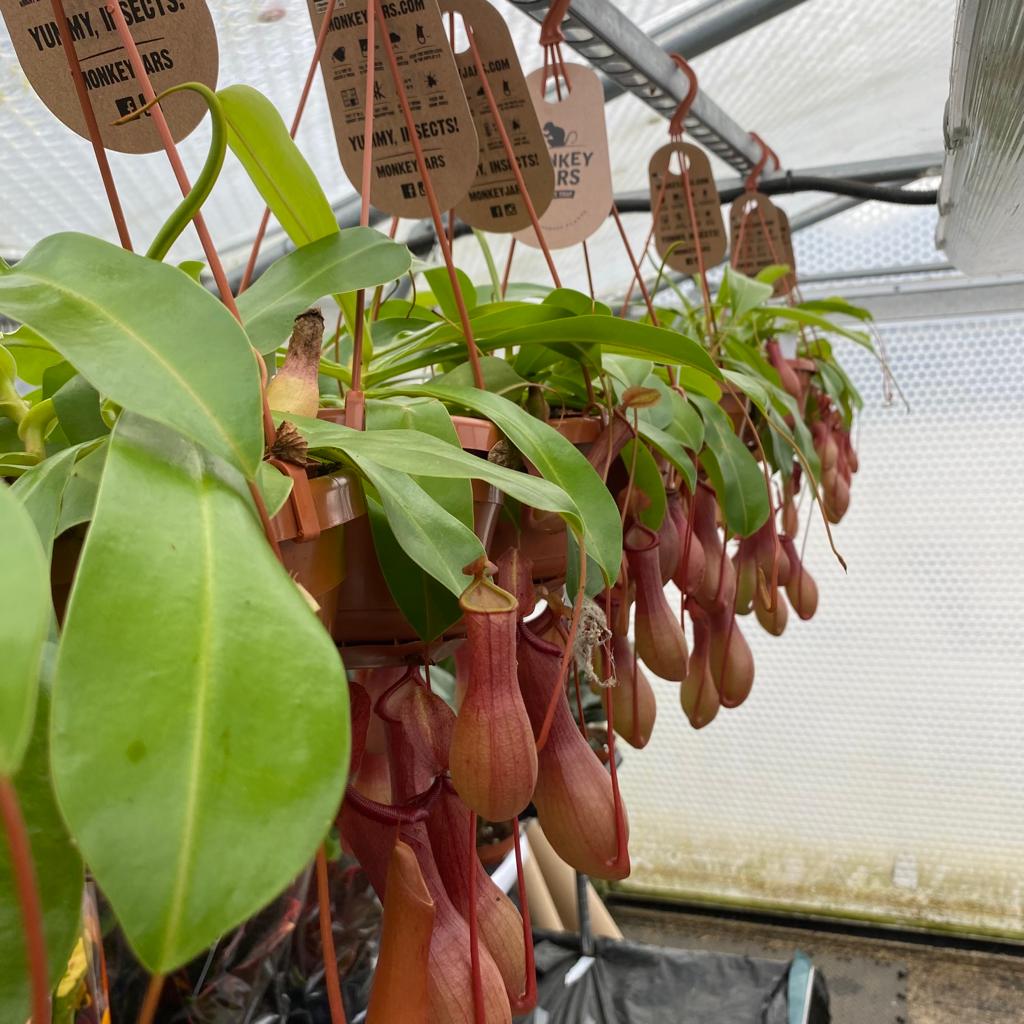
(687, 426)
(41, 492)
(145, 335)
(557, 461)
(734, 472)
(429, 605)
(428, 416)
(741, 293)
(441, 287)
(258, 137)
(836, 305)
(32, 353)
(432, 537)
(499, 377)
(416, 454)
(78, 409)
(670, 448)
(200, 720)
(648, 481)
(576, 302)
(630, 373)
(193, 268)
(798, 316)
(342, 262)
(24, 620)
(58, 870)
(275, 487)
(79, 497)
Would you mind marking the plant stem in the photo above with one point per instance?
(152, 1000)
(28, 898)
(327, 939)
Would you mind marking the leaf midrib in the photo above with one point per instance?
(146, 347)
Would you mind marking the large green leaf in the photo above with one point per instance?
(647, 481)
(58, 870)
(258, 137)
(428, 416)
(741, 293)
(33, 354)
(503, 324)
(557, 460)
(147, 336)
(734, 472)
(24, 619)
(670, 448)
(41, 491)
(429, 606)
(79, 498)
(200, 729)
(342, 262)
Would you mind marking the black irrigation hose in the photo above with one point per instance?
(421, 241)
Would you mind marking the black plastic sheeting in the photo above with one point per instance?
(629, 983)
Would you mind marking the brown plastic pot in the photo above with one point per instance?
(318, 562)
(366, 614)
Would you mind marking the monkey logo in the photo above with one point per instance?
(557, 137)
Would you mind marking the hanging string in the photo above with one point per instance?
(355, 401)
(435, 209)
(508, 268)
(85, 103)
(378, 295)
(676, 128)
(510, 154)
(528, 997)
(212, 256)
(321, 40)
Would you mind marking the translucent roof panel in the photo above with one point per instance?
(826, 82)
(265, 44)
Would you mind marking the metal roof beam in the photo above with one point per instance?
(711, 25)
(603, 35)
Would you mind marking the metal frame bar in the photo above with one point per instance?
(603, 35)
(711, 25)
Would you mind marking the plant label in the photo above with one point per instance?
(494, 202)
(786, 284)
(577, 140)
(754, 232)
(176, 39)
(444, 124)
(675, 234)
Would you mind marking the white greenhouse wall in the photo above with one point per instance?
(875, 770)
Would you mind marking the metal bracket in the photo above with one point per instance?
(601, 33)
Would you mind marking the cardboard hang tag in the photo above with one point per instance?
(444, 124)
(674, 233)
(754, 233)
(494, 202)
(176, 40)
(577, 140)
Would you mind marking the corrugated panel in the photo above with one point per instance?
(983, 181)
(875, 769)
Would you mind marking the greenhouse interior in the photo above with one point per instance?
(470, 529)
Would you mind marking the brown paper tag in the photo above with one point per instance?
(673, 230)
(444, 124)
(755, 237)
(786, 284)
(177, 42)
(494, 202)
(578, 143)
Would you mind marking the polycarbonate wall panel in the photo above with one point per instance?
(876, 768)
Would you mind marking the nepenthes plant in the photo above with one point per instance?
(222, 596)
